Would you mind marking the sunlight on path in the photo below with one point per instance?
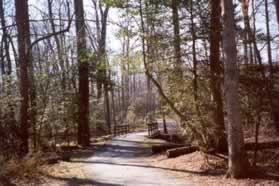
(121, 163)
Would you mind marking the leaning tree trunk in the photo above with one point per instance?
(238, 162)
(83, 121)
(23, 40)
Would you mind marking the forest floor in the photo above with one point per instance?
(206, 170)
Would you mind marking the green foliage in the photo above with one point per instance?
(115, 3)
(150, 117)
(136, 110)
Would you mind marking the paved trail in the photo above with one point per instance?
(121, 163)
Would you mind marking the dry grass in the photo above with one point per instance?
(63, 173)
(34, 171)
(19, 172)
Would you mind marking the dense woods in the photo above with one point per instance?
(71, 70)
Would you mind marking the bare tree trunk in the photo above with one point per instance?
(107, 103)
(273, 111)
(23, 41)
(83, 122)
(2, 65)
(11, 116)
(164, 119)
(195, 70)
(269, 54)
(177, 40)
(106, 79)
(113, 105)
(32, 83)
(148, 95)
(238, 162)
(276, 3)
(123, 100)
(107, 108)
(5, 38)
(216, 71)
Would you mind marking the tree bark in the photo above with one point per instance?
(274, 113)
(23, 41)
(113, 105)
(216, 72)
(106, 79)
(177, 40)
(5, 38)
(83, 121)
(276, 3)
(194, 54)
(238, 162)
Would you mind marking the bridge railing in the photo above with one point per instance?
(121, 129)
(153, 128)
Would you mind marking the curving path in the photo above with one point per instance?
(121, 163)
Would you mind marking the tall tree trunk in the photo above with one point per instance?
(194, 54)
(107, 107)
(2, 60)
(149, 58)
(123, 98)
(216, 71)
(11, 116)
(106, 79)
(273, 111)
(32, 82)
(276, 3)
(83, 121)
(269, 53)
(177, 40)
(238, 162)
(5, 38)
(113, 105)
(23, 41)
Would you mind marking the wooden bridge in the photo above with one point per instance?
(153, 128)
(121, 129)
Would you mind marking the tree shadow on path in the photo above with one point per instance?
(201, 173)
(78, 181)
(214, 172)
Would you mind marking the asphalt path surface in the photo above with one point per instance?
(121, 162)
